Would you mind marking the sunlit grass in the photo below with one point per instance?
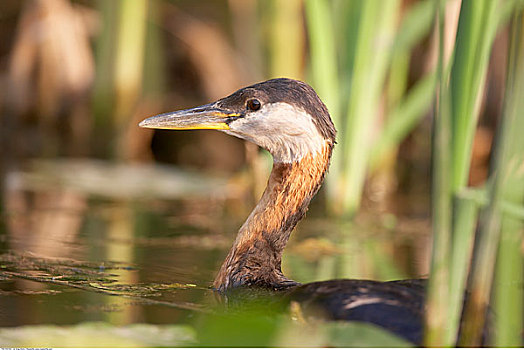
(285, 38)
(324, 71)
(454, 214)
(356, 47)
(438, 291)
(509, 290)
(506, 184)
(349, 71)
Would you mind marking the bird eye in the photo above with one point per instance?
(253, 104)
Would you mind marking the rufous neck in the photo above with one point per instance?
(255, 258)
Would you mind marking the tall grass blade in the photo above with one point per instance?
(155, 79)
(129, 57)
(323, 54)
(103, 93)
(372, 56)
(405, 109)
(350, 56)
(476, 28)
(509, 294)
(324, 71)
(506, 183)
(404, 117)
(286, 43)
(437, 291)
(346, 16)
(464, 225)
(416, 24)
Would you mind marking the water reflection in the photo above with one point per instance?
(72, 256)
(121, 247)
(44, 223)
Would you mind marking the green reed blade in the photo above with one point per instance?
(323, 54)
(472, 50)
(350, 55)
(404, 117)
(372, 56)
(464, 224)
(437, 291)
(509, 294)
(286, 39)
(103, 93)
(416, 24)
(129, 57)
(506, 183)
(155, 65)
(324, 69)
(405, 110)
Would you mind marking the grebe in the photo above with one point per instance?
(287, 118)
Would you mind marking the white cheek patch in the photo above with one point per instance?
(288, 133)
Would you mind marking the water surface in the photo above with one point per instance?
(70, 256)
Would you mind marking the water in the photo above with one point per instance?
(131, 252)
(69, 256)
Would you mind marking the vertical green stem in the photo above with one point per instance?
(482, 272)
(155, 79)
(509, 294)
(103, 90)
(129, 56)
(507, 184)
(472, 50)
(464, 224)
(286, 39)
(325, 72)
(437, 295)
(372, 56)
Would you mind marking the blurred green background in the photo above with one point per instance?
(78, 76)
(80, 180)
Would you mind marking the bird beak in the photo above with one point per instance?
(203, 117)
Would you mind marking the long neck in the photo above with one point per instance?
(255, 258)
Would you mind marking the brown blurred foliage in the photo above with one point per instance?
(77, 76)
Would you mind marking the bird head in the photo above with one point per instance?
(284, 116)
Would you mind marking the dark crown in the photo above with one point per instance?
(290, 91)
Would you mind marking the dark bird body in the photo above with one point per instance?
(287, 118)
(397, 306)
